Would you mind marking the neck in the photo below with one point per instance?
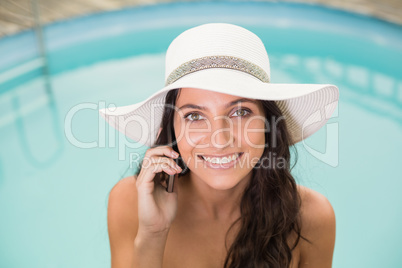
(213, 204)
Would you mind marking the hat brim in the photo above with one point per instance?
(306, 107)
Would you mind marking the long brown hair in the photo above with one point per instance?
(270, 205)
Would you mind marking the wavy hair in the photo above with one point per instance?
(270, 205)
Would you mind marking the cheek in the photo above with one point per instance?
(185, 141)
(190, 134)
(254, 133)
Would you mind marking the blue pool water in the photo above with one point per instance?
(58, 159)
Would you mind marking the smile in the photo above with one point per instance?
(221, 162)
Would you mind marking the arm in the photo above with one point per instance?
(319, 227)
(128, 247)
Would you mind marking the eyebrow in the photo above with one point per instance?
(193, 106)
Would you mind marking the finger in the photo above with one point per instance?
(160, 160)
(164, 162)
(147, 175)
(160, 151)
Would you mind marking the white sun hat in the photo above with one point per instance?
(228, 59)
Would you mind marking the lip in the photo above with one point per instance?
(221, 166)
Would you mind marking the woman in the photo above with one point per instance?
(234, 201)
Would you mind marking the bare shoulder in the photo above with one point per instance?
(122, 220)
(314, 204)
(318, 226)
(125, 188)
(122, 205)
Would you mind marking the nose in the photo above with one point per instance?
(222, 135)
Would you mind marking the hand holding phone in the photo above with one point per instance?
(156, 208)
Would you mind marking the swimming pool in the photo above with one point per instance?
(56, 169)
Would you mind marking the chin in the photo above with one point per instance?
(222, 182)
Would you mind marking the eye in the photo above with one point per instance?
(193, 116)
(243, 113)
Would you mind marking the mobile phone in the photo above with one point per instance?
(170, 182)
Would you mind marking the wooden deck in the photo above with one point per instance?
(17, 15)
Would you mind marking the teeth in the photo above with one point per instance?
(222, 160)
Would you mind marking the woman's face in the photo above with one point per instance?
(212, 124)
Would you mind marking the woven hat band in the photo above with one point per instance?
(229, 62)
